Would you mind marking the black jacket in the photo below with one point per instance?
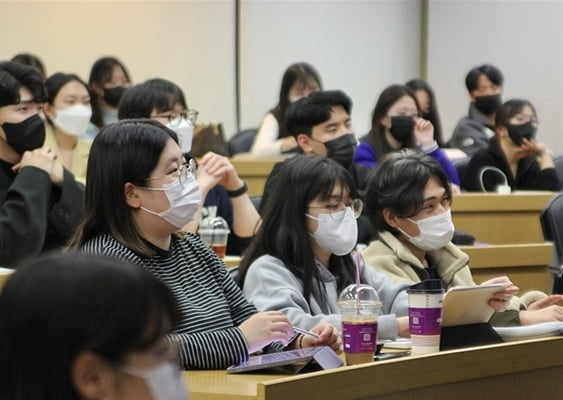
(35, 215)
(529, 176)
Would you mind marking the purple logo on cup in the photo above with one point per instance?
(359, 337)
(425, 321)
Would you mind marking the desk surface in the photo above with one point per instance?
(517, 370)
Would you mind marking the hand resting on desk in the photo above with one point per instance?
(543, 310)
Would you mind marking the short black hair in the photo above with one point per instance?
(490, 71)
(140, 100)
(30, 59)
(13, 77)
(306, 113)
(398, 184)
(60, 305)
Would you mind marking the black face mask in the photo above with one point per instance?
(520, 132)
(113, 95)
(402, 128)
(26, 135)
(488, 105)
(342, 149)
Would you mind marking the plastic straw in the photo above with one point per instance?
(358, 259)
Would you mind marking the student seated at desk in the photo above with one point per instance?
(514, 156)
(73, 326)
(408, 201)
(139, 193)
(219, 184)
(300, 259)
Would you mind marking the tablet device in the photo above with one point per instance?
(464, 305)
(290, 361)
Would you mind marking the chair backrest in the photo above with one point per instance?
(242, 141)
(551, 219)
(558, 161)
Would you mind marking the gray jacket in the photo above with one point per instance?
(472, 132)
(271, 286)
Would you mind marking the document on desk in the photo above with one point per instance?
(536, 331)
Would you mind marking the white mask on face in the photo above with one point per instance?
(435, 232)
(164, 381)
(73, 120)
(184, 202)
(185, 132)
(338, 232)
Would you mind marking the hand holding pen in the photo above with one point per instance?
(322, 334)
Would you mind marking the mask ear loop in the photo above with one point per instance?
(495, 169)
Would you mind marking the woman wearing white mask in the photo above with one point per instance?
(219, 184)
(408, 201)
(140, 193)
(68, 114)
(300, 259)
(61, 339)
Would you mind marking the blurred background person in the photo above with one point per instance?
(68, 113)
(108, 81)
(272, 138)
(513, 156)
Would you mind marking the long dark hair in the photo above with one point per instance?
(303, 73)
(127, 151)
(433, 115)
(100, 74)
(283, 232)
(63, 304)
(376, 136)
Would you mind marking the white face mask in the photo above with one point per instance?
(164, 381)
(185, 132)
(338, 232)
(184, 202)
(435, 232)
(73, 120)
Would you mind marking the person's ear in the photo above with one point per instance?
(304, 143)
(48, 110)
(97, 89)
(132, 196)
(390, 217)
(385, 121)
(92, 377)
(501, 131)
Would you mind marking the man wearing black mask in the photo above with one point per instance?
(40, 202)
(484, 84)
(322, 126)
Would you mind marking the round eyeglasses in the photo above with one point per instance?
(175, 118)
(182, 173)
(335, 212)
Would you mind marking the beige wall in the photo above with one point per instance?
(188, 42)
(358, 46)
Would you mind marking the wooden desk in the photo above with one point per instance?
(518, 370)
(501, 219)
(524, 264)
(254, 172)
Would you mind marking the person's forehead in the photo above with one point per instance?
(433, 188)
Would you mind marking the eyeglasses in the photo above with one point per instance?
(524, 119)
(175, 117)
(357, 205)
(182, 173)
(407, 113)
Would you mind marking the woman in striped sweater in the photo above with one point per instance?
(140, 192)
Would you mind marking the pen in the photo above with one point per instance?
(305, 332)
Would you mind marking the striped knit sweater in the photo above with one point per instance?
(211, 305)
